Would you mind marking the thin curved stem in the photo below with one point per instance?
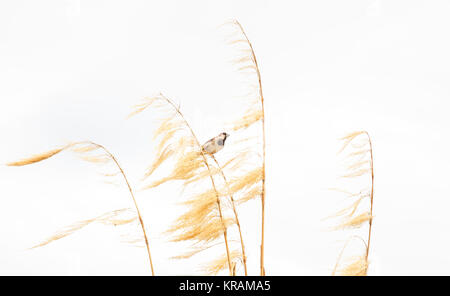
(210, 175)
(263, 193)
(244, 257)
(371, 196)
(132, 196)
(343, 249)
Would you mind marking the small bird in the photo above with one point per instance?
(215, 144)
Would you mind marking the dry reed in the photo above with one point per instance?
(360, 166)
(204, 221)
(83, 148)
(109, 218)
(248, 63)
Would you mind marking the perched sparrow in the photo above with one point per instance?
(215, 144)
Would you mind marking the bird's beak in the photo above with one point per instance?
(227, 135)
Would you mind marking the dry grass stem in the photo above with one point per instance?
(220, 263)
(357, 266)
(250, 117)
(83, 148)
(247, 62)
(233, 203)
(37, 158)
(354, 222)
(107, 218)
(204, 221)
(360, 167)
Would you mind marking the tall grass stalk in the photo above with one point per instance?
(83, 148)
(199, 223)
(371, 195)
(238, 224)
(219, 207)
(360, 166)
(249, 62)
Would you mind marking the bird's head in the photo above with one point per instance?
(224, 136)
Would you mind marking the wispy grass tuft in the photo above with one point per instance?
(109, 218)
(247, 63)
(204, 221)
(359, 170)
(85, 150)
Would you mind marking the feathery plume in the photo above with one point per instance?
(204, 221)
(248, 63)
(356, 266)
(83, 148)
(106, 218)
(360, 166)
(37, 158)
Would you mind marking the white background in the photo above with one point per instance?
(71, 70)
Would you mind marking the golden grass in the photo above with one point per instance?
(251, 117)
(37, 158)
(106, 218)
(165, 154)
(357, 266)
(220, 263)
(188, 166)
(355, 222)
(238, 160)
(352, 208)
(147, 102)
(233, 204)
(83, 148)
(247, 62)
(249, 179)
(360, 165)
(204, 233)
(203, 222)
(250, 194)
(347, 139)
(200, 223)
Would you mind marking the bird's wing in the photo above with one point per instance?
(210, 141)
